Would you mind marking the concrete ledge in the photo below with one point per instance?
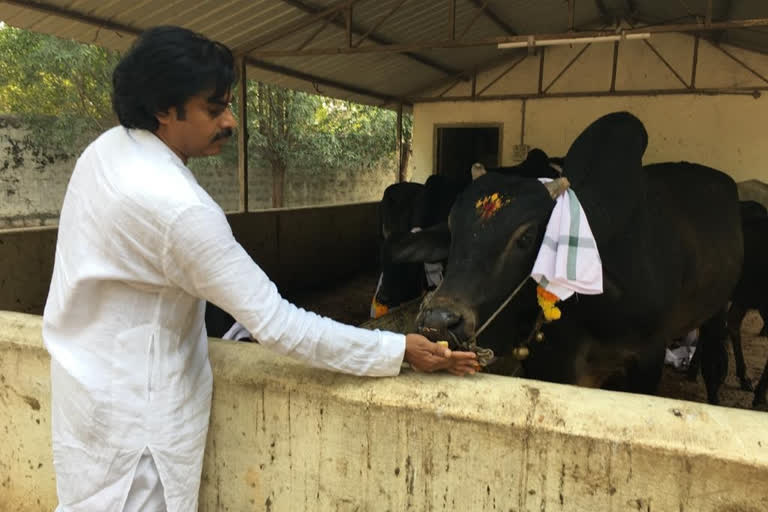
(285, 437)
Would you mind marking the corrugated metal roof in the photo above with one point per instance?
(376, 78)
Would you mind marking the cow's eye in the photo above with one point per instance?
(525, 240)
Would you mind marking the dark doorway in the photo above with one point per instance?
(460, 147)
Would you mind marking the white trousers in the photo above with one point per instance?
(146, 493)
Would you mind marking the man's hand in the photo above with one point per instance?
(426, 356)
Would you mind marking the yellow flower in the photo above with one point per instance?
(547, 301)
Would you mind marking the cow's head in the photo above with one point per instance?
(496, 227)
(498, 223)
(402, 264)
(399, 283)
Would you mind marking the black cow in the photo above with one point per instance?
(748, 294)
(670, 242)
(401, 208)
(751, 210)
(754, 200)
(217, 321)
(405, 206)
(536, 165)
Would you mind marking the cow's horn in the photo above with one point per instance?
(557, 187)
(477, 170)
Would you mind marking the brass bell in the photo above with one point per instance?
(539, 336)
(521, 353)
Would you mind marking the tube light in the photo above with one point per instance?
(574, 40)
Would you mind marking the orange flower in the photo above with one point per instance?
(547, 301)
(378, 309)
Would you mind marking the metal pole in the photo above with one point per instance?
(755, 92)
(541, 70)
(242, 136)
(538, 39)
(399, 144)
(695, 61)
(615, 65)
(348, 20)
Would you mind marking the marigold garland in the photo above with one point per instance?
(547, 301)
(378, 309)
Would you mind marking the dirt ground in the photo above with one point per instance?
(349, 302)
(674, 384)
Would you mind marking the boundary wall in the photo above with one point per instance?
(285, 437)
(297, 248)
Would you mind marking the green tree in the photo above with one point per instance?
(278, 127)
(60, 87)
(291, 129)
(62, 90)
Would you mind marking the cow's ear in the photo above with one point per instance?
(429, 245)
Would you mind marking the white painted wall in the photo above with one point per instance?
(725, 131)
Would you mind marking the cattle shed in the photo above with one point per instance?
(485, 80)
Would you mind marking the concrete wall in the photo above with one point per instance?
(284, 437)
(33, 182)
(297, 248)
(303, 187)
(32, 185)
(724, 131)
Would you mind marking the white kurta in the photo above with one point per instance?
(140, 243)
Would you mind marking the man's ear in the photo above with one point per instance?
(167, 116)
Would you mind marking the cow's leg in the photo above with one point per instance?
(735, 316)
(695, 363)
(714, 355)
(644, 372)
(761, 388)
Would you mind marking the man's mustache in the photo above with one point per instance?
(224, 134)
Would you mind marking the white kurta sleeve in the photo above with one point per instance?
(201, 256)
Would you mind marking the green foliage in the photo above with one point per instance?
(60, 87)
(62, 90)
(295, 129)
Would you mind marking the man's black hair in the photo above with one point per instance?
(164, 68)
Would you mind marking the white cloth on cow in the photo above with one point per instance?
(568, 261)
(237, 332)
(680, 357)
(140, 243)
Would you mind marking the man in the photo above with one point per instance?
(140, 247)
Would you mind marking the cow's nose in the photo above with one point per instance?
(441, 318)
